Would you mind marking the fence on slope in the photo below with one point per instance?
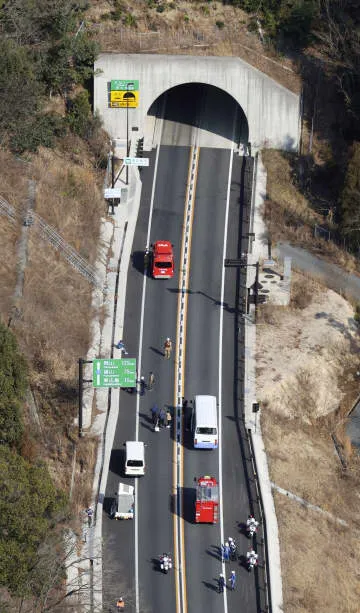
(49, 234)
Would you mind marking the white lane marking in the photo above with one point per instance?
(221, 360)
(137, 598)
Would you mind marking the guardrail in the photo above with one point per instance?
(263, 578)
(262, 575)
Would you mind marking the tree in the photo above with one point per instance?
(79, 116)
(20, 88)
(35, 21)
(13, 369)
(30, 507)
(11, 425)
(350, 201)
(338, 33)
(296, 21)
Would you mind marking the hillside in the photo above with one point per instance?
(52, 158)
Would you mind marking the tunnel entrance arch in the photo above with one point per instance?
(219, 118)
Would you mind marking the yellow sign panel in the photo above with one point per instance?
(124, 99)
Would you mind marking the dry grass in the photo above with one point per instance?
(54, 327)
(317, 577)
(306, 362)
(303, 290)
(287, 201)
(14, 189)
(189, 28)
(86, 451)
(288, 213)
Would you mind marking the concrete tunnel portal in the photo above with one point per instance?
(268, 114)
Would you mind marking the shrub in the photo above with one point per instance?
(130, 20)
(350, 200)
(13, 384)
(295, 23)
(20, 89)
(69, 61)
(357, 314)
(40, 130)
(79, 117)
(219, 24)
(29, 507)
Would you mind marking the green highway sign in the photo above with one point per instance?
(136, 161)
(114, 373)
(119, 85)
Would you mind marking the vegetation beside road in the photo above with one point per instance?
(31, 507)
(48, 134)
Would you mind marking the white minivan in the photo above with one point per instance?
(204, 422)
(134, 459)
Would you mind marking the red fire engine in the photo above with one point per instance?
(207, 500)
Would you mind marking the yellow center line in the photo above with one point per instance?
(178, 449)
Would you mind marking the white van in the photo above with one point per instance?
(134, 458)
(204, 422)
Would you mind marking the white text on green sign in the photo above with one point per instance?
(136, 161)
(114, 373)
(123, 85)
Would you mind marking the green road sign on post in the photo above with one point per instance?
(119, 85)
(114, 373)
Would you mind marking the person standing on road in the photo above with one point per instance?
(154, 414)
(151, 381)
(120, 604)
(221, 583)
(232, 580)
(226, 552)
(167, 348)
(142, 386)
(162, 418)
(146, 259)
(168, 418)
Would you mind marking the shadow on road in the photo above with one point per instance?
(211, 586)
(158, 351)
(137, 260)
(187, 512)
(215, 552)
(117, 462)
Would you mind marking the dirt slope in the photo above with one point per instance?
(306, 360)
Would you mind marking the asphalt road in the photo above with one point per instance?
(154, 504)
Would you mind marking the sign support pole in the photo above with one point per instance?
(127, 134)
(81, 391)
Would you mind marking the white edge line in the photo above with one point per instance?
(220, 362)
(137, 598)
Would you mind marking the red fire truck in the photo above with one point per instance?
(207, 500)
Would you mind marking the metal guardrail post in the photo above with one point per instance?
(267, 585)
